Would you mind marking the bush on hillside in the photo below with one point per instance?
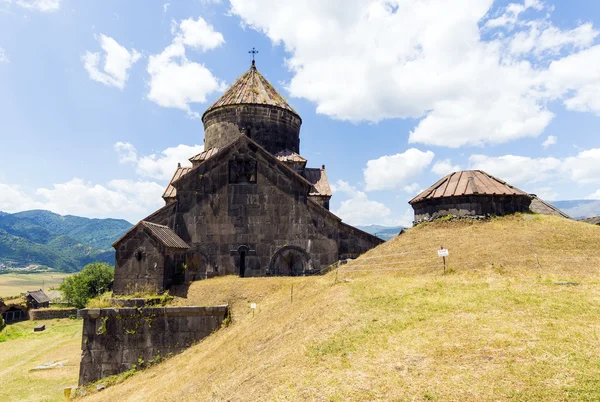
(2, 323)
(93, 280)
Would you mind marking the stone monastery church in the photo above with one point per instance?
(247, 206)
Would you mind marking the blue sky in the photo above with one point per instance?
(100, 100)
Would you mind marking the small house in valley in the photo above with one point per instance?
(37, 299)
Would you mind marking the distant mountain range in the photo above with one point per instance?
(67, 243)
(578, 209)
(64, 243)
(383, 232)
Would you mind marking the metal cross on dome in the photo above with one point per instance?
(253, 51)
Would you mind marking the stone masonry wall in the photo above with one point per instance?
(51, 314)
(143, 274)
(118, 339)
(274, 128)
(217, 217)
(470, 206)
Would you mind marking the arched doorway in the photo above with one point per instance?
(242, 263)
(290, 261)
(242, 253)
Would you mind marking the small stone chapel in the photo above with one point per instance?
(247, 206)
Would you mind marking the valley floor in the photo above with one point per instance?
(15, 284)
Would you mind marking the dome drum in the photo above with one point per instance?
(274, 128)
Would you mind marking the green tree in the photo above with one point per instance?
(93, 280)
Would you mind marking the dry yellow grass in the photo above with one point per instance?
(481, 332)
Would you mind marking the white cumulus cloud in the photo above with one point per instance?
(175, 81)
(357, 209)
(594, 196)
(14, 199)
(444, 167)
(3, 56)
(117, 62)
(199, 34)
(45, 6)
(431, 60)
(393, 171)
(516, 170)
(551, 140)
(580, 169)
(583, 167)
(412, 188)
(160, 165)
(126, 199)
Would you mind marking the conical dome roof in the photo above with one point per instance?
(467, 182)
(251, 88)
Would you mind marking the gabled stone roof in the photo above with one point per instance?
(202, 156)
(319, 180)
(242, 138)
(542, 207)
(251, 88)
(165, 235)
(38, 295)
(595, 220)
(467, 182)
(170, 191)
(289, 156)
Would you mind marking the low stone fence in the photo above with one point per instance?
(119, 339)
(51, 313)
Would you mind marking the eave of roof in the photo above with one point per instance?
(289, 156)
(147, 218)
(266, 153)
(165, 235)
(39, 296)
(170, 191)
(202, 156)
(467, 182)
(540, 206)
(319, 180)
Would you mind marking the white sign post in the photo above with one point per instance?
(253, 307)
(442, 252)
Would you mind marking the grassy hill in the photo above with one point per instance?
(65, 243)
(515, 317)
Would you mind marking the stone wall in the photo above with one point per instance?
(470, 206)
(119, 339)
(219, 218)
(52, 313)
(354, 242)
(143, 271)
(274, 128)
(244, 213)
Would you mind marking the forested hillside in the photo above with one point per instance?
(65, 243)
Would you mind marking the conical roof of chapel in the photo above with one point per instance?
(251, 88)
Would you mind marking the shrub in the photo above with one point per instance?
(93, 280)
(2, 323)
